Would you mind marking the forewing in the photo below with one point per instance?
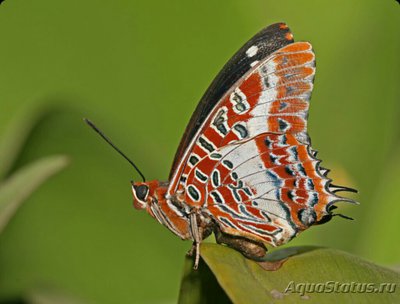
(272, 97)
(255, 50)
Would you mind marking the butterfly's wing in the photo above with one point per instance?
(272, 96)
(268, 188)
(250, 163)
(256, 49)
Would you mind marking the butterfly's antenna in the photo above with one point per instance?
(93, 126)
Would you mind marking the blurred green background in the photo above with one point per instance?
(138, 68)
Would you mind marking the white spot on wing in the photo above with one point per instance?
(254, 63)
(252, 51)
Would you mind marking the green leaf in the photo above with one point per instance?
(22, 183)
(289, 272)
(200, 286)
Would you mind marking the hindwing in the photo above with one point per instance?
(267, 188)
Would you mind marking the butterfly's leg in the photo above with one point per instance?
(249, 248)
(197, 233)
(192, 250)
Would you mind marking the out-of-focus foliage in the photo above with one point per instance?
(16, 188)
(137, 69)
(21, 184)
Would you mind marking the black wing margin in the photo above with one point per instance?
(264, 43)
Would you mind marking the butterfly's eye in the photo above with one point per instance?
(141, 192)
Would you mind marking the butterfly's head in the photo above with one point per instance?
(143, 193)
(140, 193)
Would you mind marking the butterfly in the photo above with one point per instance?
(245, 169)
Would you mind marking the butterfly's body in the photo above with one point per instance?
(191, 222)
(245, 169)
